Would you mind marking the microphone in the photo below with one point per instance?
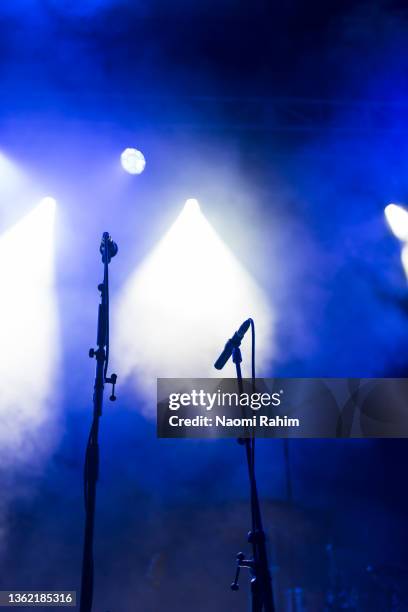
(112, 247)
(232, 343)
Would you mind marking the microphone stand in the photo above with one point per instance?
(261, 584)
(108, 249)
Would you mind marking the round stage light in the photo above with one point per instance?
(133, 161)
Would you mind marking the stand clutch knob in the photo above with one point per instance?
(240, 559)
(112, 380)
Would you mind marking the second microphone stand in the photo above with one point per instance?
(261, 584)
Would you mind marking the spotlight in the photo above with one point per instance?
(192, 205)
(397, 219)
(179, 302)
(48, 201)
(28, 327)
(133, 161)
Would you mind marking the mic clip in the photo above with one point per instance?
(108, 248)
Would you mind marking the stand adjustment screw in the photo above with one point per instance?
(112, 380)
(91, 353)
(234, 584)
